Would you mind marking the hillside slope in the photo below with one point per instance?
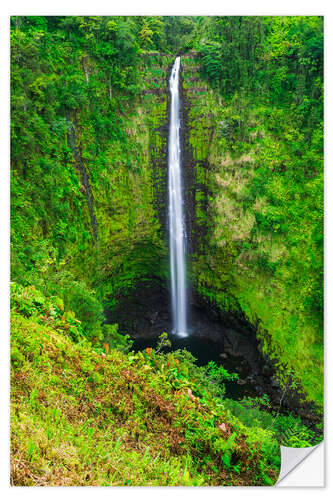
(84, 416)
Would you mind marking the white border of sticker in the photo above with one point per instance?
(302, 466)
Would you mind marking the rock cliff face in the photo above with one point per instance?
(156, 88)
(195, 169)
(145, 311)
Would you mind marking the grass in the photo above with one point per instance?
(81, 416)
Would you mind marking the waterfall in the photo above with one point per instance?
(176, 218)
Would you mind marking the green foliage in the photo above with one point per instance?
(27, 301)
(80, 154)
(219, 373)
(184, 370)
(298, 436)
(288, 430)
(211, 61)
(163, 341)
(258, 138)
(31, 302)
(116, 340)
(88, 104)
(154, 415)
(279, 55)
(87, 308)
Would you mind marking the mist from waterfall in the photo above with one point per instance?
(177, 232)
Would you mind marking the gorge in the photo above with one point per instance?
(229, 338)
(166, 178)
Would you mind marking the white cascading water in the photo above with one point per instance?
(176, 218)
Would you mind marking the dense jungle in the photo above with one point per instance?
(102, 392)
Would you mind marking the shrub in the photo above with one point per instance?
(116, 340)
(87, 308)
